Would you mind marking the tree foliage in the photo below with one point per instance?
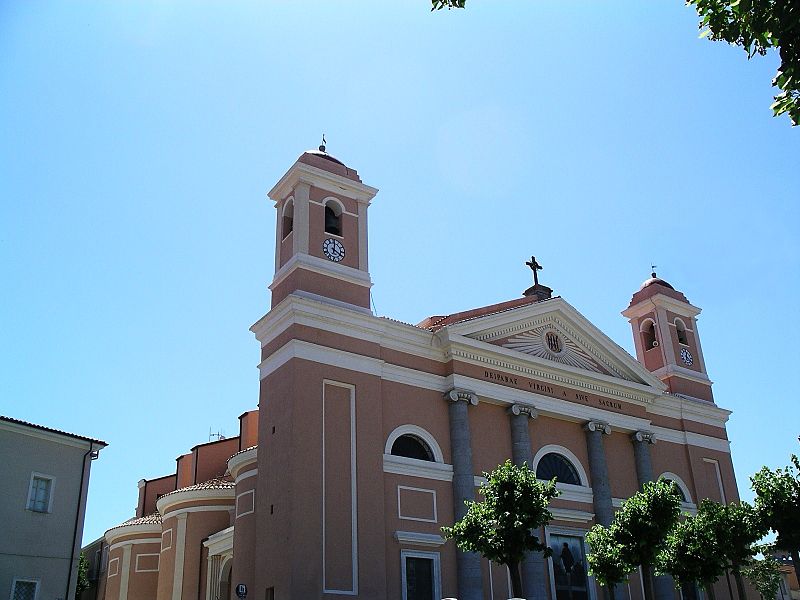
(755, 25)
(694, 551)
(83, 576)
(778, 500)
(605, 559)
(637, 534)
(758, 26)
(502, 526)
(765, 575)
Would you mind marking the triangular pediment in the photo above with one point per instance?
(554, 333)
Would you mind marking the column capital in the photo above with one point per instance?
(457, 395)
(644, 436)
(597, 425)
(523, 409)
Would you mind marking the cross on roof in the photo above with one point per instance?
(535, 267)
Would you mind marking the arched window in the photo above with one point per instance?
(555, 465)
(288, 217)
(679, 485)
(411, 446)
(680, 328)
(649, 334)
(333, 218)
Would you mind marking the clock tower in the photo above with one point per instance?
(664, 327)
(321, 232)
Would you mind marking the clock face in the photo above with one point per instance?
(333, 249)
(686, 356)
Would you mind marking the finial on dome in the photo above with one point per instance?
(653, 269)
(322, 145)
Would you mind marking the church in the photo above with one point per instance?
(371, 433)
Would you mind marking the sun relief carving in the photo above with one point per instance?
(549, 343)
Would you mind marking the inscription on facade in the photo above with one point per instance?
(549, 390)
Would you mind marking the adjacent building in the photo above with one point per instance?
(45, 476)
(371, 433)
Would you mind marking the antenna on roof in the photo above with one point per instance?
(215, 436)
(322, 145)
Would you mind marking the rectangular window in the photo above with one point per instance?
(420, 575)
(569, 567)
(40, 493)
(24, 590)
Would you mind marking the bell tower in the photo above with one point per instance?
(321, 232)
(667, 342)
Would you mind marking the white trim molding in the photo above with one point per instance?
(419, 432)
(437, 578)
(158, 563)
(421, 490)
(419, 539)
(400, 465)
(679, 482)
(353, 491)
(238, 461)
(246, 512)
(51, 488)
(165, 503)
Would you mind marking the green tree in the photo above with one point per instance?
(758, 26)
(636, 536)
(739, 530)
(606, 564)
(755, 25)
(501, 527)
(765, 575)
(778, 500)
(693, 552)
(642, 524)
(83, 576)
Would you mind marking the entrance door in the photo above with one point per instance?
(569, 567)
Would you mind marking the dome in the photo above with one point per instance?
(325, 155)
(655, 280)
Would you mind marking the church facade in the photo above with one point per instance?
(371, 433)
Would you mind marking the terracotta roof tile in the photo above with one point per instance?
(153, 519)
(43, 428)
(243, 451)
(437, 322)
(218, 483)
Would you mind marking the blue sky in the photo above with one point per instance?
(138, 141)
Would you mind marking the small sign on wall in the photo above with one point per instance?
(241, 591)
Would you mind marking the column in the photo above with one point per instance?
(641, 452)
(601, 487)
(470, 581)
(663, 585)
(532, 567)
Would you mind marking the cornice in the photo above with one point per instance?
(321, 266)
(242, 459)
(65, 439)
(598, 383)
(504, 323)
(165, 503)
(220, 542)
(126, 530)
(671, 370)
(394, 335)
(700, 411)
(661, 301)
(547, 405)
(303, 173)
